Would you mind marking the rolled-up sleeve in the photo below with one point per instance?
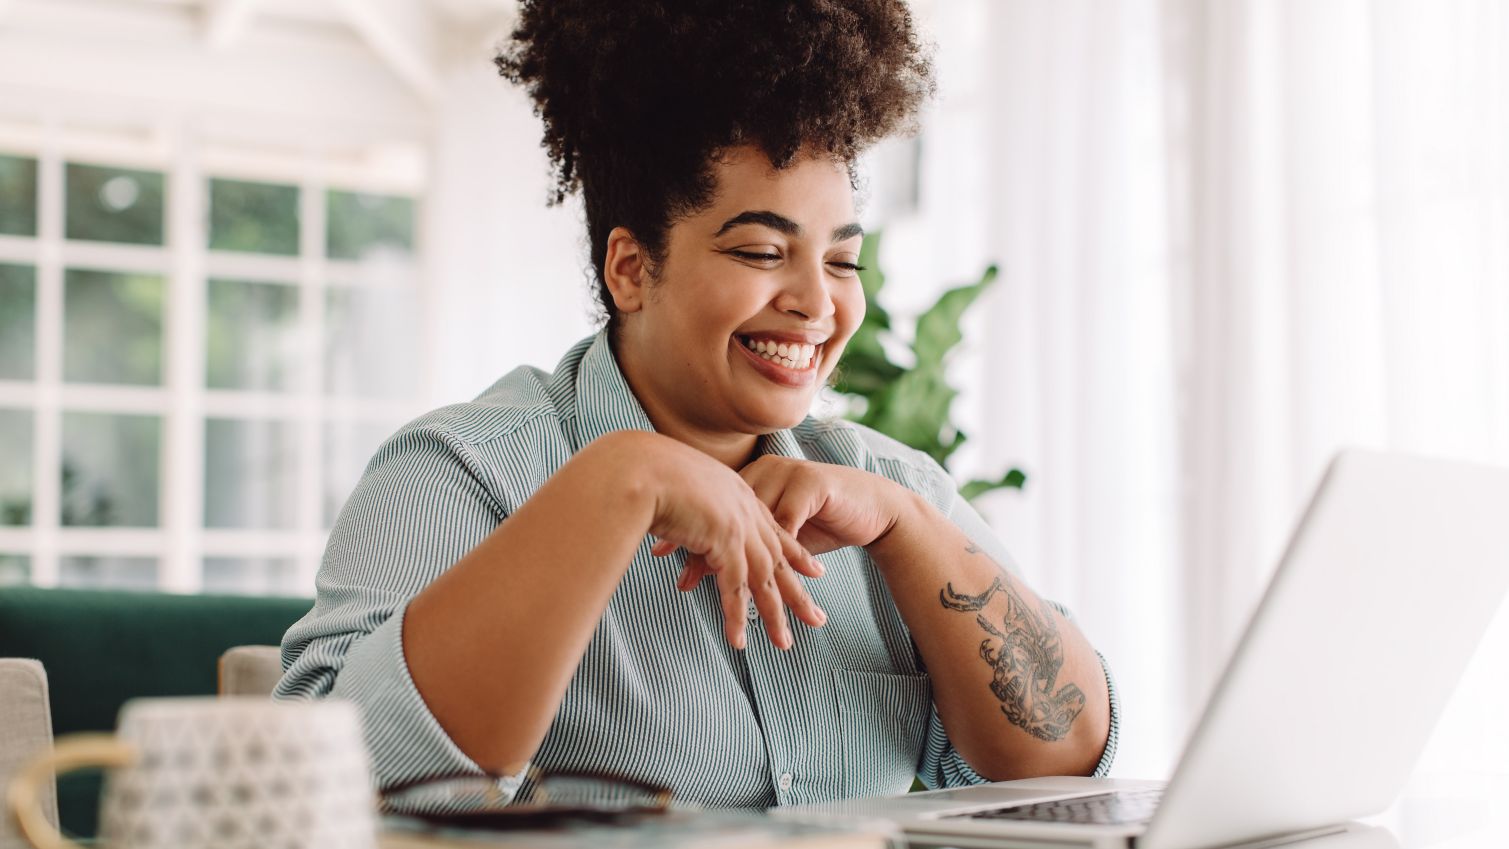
(419, 508)
(942, 765)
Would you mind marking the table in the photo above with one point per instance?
(1457, 811)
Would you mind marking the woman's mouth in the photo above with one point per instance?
(786, 363)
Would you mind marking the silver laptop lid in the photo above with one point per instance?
(1385, 590)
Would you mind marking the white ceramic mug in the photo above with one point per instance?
(194, 773)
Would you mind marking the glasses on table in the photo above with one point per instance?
(544, 798)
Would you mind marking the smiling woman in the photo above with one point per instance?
(572, 571)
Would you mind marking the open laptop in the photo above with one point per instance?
(1388, 583)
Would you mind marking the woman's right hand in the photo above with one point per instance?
(706, 508)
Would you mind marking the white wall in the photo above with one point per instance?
(510, 272)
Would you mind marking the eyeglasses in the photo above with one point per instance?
(544, 798)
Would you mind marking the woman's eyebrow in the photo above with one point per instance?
(773, 220)
(782, 224)
(848, 231)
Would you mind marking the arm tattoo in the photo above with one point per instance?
(1026, 660)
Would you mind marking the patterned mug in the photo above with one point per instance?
(193, 773)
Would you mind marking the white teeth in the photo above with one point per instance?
(792, 355)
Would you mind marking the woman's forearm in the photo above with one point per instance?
(1018, 687)
(493, 643)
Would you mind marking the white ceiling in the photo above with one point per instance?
(416, 39)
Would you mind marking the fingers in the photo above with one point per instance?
(767, 595)
(797, 598)
(797, 555)
(733, 591)
(692, 573)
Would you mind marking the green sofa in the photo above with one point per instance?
(101, 648)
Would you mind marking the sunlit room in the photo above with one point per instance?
(754, 422)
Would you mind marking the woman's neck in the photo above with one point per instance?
(731, 448)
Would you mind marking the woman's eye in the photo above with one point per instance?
(755, 257)
(848, 267)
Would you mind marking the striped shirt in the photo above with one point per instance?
(659, 695)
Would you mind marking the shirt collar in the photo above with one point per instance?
(781, 443)
(604, 401)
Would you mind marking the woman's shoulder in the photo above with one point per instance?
(525, 398)
(847, 443)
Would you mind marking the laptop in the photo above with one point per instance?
(1387, 585)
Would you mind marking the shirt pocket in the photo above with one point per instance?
(882, 718)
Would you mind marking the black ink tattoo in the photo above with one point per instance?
(1026, 663)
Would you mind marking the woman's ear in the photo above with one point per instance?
(626, 271)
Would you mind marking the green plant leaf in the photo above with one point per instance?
(872, 280)
(913, 406)
(914, 409)
(938, 328)
(1014, 479)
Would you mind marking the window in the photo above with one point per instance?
(197, 357)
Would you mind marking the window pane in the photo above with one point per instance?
(14, 569)
(251, 335)
(18, 318)
(15, 467)
(112, 327)
(360, 224)
(110, 469)
(252, 576)
(250, 478)
(260, 217)
(114, 204)
(18, 196)
(119, 573)
(370, 346)
(348, 448)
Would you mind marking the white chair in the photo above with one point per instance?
(25, 730)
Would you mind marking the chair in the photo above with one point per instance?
(250, 670)
(104, 648)
(25, 730)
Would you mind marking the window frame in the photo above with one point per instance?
(189, 160)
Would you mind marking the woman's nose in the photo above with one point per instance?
(806, 295)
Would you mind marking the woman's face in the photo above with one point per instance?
(755, 299)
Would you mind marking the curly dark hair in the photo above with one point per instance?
(638, 97)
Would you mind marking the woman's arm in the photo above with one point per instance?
(1019, 688)
(493, 642)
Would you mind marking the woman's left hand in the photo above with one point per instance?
(825, 506)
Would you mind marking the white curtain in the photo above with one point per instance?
(1234, 236)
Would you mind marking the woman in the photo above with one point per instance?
(592, 568)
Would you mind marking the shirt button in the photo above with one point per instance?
(754, 613)
(785, 782)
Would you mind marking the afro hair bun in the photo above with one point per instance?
(701, 75)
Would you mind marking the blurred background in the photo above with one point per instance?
(241, 241)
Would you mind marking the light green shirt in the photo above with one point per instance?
(659, 694)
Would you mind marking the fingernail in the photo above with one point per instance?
(739, 641)
(822, 617)
(817, 565)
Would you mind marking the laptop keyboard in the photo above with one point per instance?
(1120, 808)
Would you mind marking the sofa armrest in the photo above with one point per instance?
(25, 731)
